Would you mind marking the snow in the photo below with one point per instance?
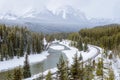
(113, 64)
(92, 51)
(55, 41)
(57, 47)
(53, 70)
(86, 55)
(70, 54)
(33, 58)
(116, 68)
(44, 41)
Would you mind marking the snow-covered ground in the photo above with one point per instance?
(116, 67)
(113, 64)
(70, 54)
(116, 70)
(92, 51)
(86, 55)
(53, 70)
(33, 58)
(58, 47)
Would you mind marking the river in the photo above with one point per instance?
(50, 62)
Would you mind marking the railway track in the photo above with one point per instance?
(92, 58)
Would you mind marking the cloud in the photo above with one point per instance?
(19, 6)
(92, 8)
(78, 4)
(101, 8)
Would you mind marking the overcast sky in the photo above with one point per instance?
(91, 8)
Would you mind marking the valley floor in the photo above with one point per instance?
(93, 53)
(90, 54)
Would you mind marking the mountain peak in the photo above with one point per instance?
(8, 16)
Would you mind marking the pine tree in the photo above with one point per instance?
(110, 56)
(111, 75)
(17, 75)
(85, 46)
(10, 50)
(80, 45)
(88, 71)
(62, 69)
(99, 70)
(28, 49)
(75, 69)
(81, 57)
(9, 76)
(21, 46)
(93, 63)
(2, 52)
(37, 44)
(49, 76)
(33, 43)
(26, 68)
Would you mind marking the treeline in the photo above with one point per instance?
(76, 39)
(107, 37)
(57, 36)
(15, 41)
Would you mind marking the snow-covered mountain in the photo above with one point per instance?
(65, 19)
(44, 14)
(8, 16)
(63, 15)
(69, 13)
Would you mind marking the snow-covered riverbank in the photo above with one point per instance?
(86, 55)
(70, 54)
(92, 51)
(53, 70)
(11, 64)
